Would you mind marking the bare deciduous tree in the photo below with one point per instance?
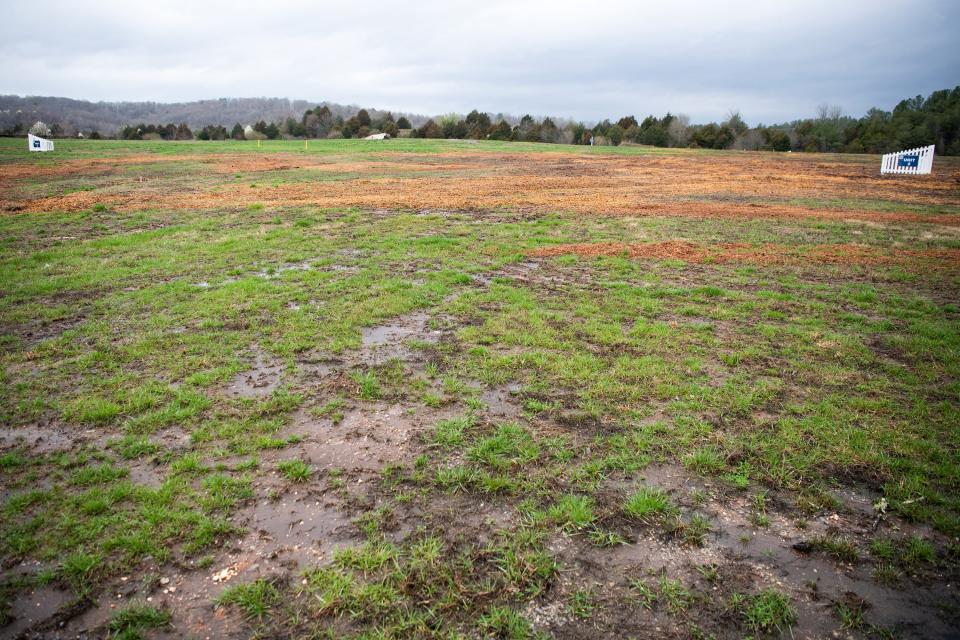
(40, 129)
(829, 112)
(678, 130)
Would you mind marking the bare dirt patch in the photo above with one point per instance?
(366, 439)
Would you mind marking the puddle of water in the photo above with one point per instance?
(275, 271)
(912, 610)
(257, 382)
(50, 438)
(316, 369)
(33, 608)
(266, 273)
(389, 341)
(858, 501)
(283, 537)
(502, 402)
(769, 551)
(343, 268)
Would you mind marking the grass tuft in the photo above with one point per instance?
(132, 622)
(768, 611)
(648, 503)
(254, 599)
(295, 470)
(572, 512)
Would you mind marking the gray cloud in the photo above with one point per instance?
(773, 61)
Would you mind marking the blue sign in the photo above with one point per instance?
(909, 161)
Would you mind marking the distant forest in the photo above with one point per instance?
(913, 122)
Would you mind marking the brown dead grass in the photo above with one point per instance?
(11, 173)
(687, 184)
(764, 254)
(257, 164)
(229, 164)
(527, 194)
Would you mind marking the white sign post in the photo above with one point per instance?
(36, 143)
(912, 161)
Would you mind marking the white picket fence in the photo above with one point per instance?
(912, 161)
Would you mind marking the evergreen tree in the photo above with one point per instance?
(183, 132)
(478, 120)
(615, 134)
(501, 131)
(430, 129)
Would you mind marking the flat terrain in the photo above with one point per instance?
(448, 389)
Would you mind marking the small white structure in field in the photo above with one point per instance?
(378, 136)
(36, 143)
(912, 161)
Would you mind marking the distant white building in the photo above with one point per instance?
(252, 134)
(378, 136)
(36, 143)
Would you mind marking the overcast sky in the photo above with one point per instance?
(773, 60)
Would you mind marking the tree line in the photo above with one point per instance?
(913, 122)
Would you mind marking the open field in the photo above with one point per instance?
(445, 389)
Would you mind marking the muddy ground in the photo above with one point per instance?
(291, 529)
(374, 463)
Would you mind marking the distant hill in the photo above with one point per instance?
(107, 117)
